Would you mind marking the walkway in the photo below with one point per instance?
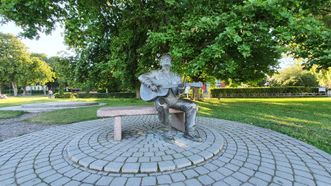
(231, 154)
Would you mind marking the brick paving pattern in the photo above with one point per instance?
(231, 153)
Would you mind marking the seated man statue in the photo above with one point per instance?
(163, 87)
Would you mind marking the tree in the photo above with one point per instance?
(38, 72)
(241, 40)
(14, 60)
(323, 76)
(294, 76)
(18, 67)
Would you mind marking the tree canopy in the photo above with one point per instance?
(237, 39)
(18, 67)
(294, 76)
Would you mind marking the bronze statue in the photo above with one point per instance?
(163, 87)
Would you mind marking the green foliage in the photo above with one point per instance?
(65, 95)
(14, 60)
(294, 76)
(106, 95)
(18, 67)
(117, 41)
(323, 76)
(262, 91)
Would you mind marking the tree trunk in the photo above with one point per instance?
(44, 90)
(14, 85)
(138, 92)
(196, 95)
(24, 91)
(0, 88)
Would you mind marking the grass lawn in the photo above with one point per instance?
(307, 119)
(10, 114)
(81, 114)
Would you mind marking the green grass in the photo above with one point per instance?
(81, 114)
(10, 114)
(307, 119)
(14, 101)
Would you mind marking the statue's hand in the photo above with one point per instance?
(181, 86)
(154, 88)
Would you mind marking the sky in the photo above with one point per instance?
(50, 45)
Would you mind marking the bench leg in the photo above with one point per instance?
(117, 128)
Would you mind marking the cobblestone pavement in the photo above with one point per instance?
(231, 154)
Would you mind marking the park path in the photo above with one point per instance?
(14, 127)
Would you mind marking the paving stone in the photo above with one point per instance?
(104, 180)
(282, 181)
(190, 173)
(241, 177)
(98, 165)
(220, 183)
(202, 170)
(92, 178)
(164, 179)
(182, 162)
(118, 181)
(178, 184)
(80, 176)
(196, 159)
(216, 175)
(72, 173)
(176, 177)
(34, 181)
(166, 165)
(133, 181)
(148, 167)
(205, 180)
(232, 181)
(304, 180)
(285, 175)
(86, 161)
(61, 181)
(149, 181)
(113, 167)
(194, 182)
(131, 167)
(224, 171)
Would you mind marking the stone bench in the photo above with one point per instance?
(177, 118)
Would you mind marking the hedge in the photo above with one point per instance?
(264, 92)
(96, 95)
(106, 95)
(65, 95)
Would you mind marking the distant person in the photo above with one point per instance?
(50, 93)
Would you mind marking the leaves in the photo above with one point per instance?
(241, 40)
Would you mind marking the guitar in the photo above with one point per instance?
(147, 94)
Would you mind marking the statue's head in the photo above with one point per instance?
(165, 60)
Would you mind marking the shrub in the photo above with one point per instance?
(65, 95)
(262, 92)
(107, 95)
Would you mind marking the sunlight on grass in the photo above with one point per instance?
(288, 120)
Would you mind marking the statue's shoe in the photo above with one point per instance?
(194, 137)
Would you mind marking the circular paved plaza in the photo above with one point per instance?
(230, 153)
